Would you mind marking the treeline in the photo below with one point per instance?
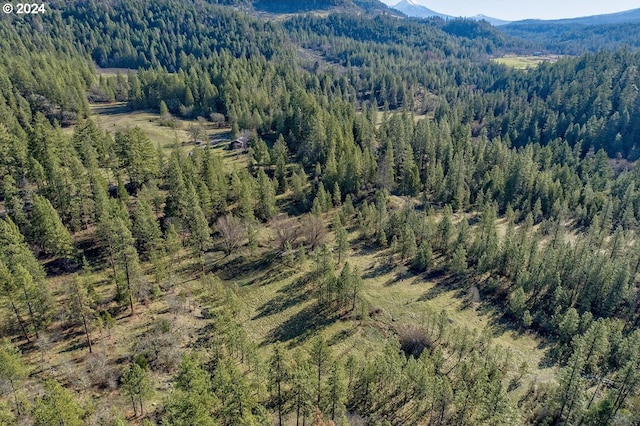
(575, 39)
(383, 62)
(591, 101)
(27, 63)
(128, 36)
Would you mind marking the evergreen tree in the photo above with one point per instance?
(324, 276)
(423, 258)
(146, 230)
(136, 385)
(172, 241)
(57, 406)
(408, 247)
(343, 287)
(52, 236)
(279, 156)
(517, 303)
(34, 297)
(266, 203)
(192, 402)
(177, 204)
(320, 359)
(445, 231)
(79, 305)
(570, 392)
(279, 376)
(337, 392)
(12, 368)
(458, 264)
(137, 155)
(301, 388)
(356, 286)
(164, 110)
(386, 169)
(11, 296)
(200, 237)
(116, 238)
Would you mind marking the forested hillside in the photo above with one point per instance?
(572, 38)
(349, 218)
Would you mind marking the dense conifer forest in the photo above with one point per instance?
(330, 214)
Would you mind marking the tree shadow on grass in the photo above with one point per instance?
(342, 335)
(500, 324)
(76, 340)
(242, 267)
(288, 296)
(302, 325)
(111, 109)
(448, 283)
(274, 275)
(430, 276)
(364, 248)
(402, 273)
(379, 270)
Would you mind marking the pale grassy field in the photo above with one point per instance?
(112, 72)
(524, 62)
(114, 117)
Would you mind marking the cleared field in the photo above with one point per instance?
(525, 62)
(114, 117)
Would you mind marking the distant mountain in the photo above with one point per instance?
(493, 21)
(411, 8)
(416, 10)
(579, 35)
(626, 17)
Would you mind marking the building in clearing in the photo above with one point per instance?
(241, 143)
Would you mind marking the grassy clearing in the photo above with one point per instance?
(278, 305)
(114, 117)
(525, 62)
(112, 72)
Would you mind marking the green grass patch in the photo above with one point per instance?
(114, 117)
(278, 305)
(524, 62)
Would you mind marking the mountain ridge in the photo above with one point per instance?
(416, 10)
(627, 16)
(293, 6)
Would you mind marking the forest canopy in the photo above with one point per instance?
(270, 235)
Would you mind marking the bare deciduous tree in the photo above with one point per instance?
(101, 373)
(217, 119)
(314, 230)
(198, 129)
(286, 231)
(232, 232)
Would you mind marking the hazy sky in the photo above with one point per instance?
(523, 9)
